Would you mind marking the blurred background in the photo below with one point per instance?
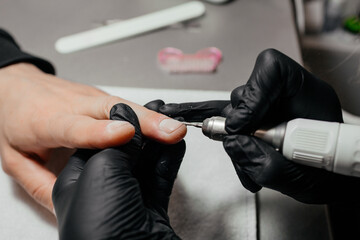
(330, 45)
(328, 32)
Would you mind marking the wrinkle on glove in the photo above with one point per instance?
(101, 194)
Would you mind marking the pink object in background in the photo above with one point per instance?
(175, 61)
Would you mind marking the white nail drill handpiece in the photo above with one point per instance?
(328, 145)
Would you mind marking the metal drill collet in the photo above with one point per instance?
(213, 127)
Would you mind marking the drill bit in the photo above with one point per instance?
(193, 124)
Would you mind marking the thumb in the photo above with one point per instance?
(67, 179)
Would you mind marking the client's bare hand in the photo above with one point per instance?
(40, 113)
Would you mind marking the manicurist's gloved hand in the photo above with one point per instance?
(120, 192)
(278, 90)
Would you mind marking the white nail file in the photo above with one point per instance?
(131, 27)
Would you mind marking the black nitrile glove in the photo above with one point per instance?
(278, 90)
(118, 193)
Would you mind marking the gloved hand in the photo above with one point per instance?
(118, 193)
(278, 90)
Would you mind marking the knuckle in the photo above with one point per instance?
(269, 62)
(269, 54)
(92, 91)
(41, 193)
(70, 133)
(36, 192)
(237, 95)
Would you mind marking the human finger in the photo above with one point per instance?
(35, 179)
(240, 162)
(123, 157)
(155, 105)
(153, 125)
(76, 131)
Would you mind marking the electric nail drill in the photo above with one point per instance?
(329, 145)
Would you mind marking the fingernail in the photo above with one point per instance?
(169, 125)
(114, 126)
